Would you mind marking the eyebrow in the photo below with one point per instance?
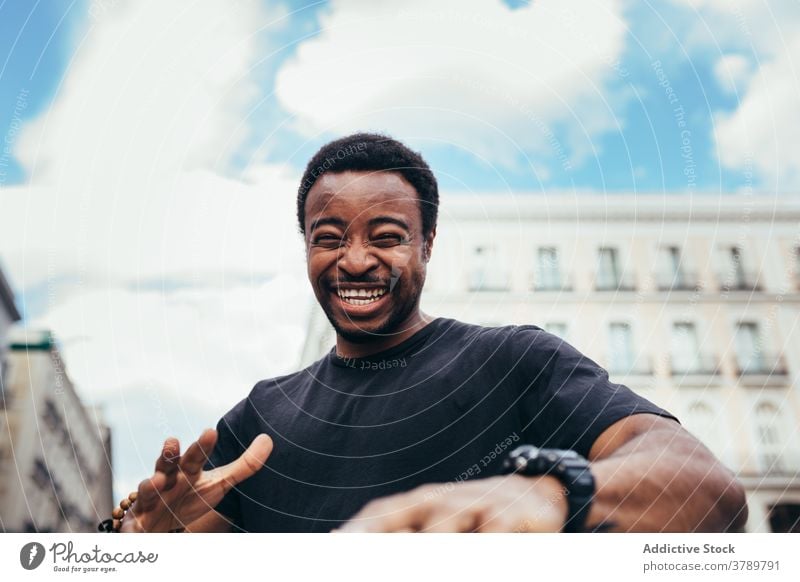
(335, 221)
(388, 220)
(332, 220)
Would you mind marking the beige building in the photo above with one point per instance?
(55, 455)
(692, 302)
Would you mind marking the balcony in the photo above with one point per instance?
(677, 281)
(738, 281)
(607, 282)
(490, 282)
(700, 365)
(641, 366)
(761, 364)
(562, 283)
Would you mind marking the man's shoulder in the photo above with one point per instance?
(496, 332)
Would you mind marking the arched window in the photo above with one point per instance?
(771, 441)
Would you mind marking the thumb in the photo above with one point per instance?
(248, 463)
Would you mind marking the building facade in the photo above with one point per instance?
(8, 315)
(55, 452)
(692, 302)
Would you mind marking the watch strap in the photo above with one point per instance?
(569, 468)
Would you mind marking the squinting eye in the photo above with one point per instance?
(388, 239)
(328, 240)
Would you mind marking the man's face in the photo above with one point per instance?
(366, 253)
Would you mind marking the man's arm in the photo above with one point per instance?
(652, 475)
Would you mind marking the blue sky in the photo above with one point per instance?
(641, 152)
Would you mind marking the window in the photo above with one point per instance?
(769, 422)
(41, 475)
(548, 272)
(735, 275)
(749, 355)
(685, 349)
(672, 273)
(620, 343)
(488, 270)
(672, 262)
(557, 328)
(737, 269)
(608, 274)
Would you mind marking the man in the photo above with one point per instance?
(414, 423)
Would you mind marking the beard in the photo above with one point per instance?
(391, 324)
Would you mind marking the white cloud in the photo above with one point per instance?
(476, 74)
(207, 345)
(172, 287)
(761, 134)
(733, 73)
(758, 136)
(153, 87)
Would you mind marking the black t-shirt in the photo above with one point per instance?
(445, 405)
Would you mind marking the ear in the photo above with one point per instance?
(427, 247)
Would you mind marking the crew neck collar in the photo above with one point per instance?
(402, 347)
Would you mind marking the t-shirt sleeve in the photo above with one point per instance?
(568, 399)
(228, 448)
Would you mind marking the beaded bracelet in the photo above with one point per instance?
(114, 524)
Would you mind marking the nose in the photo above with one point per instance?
(356, 259)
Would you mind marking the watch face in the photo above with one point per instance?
(526, 451)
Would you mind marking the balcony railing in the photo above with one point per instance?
(563, 283)
(679, 281)
(638, 366)
(622, 282)
(777, 463)
(739, 281)
(482, 281)
(700, 365)
(762, 364)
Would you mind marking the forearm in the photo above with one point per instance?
(665, 481)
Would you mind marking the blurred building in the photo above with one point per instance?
(8, 315)
(55, 455)
(692, 302)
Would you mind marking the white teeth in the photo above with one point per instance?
(344, 293)
(360, 296)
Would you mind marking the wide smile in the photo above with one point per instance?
(361, 302)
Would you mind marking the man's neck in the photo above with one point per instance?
(348, 349)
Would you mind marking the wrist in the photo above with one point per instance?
(569, 470)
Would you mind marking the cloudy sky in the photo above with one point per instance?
(151, 152)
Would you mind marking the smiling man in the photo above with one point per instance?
(418, 423)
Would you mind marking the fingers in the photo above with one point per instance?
(246, 465)
(196, 455)
(398, 513)
(149, 492)
(452, 521)
(167, 462)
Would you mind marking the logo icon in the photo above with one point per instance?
(31, 555)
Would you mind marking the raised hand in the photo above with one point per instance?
(180, 491)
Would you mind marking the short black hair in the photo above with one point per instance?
(372, 152)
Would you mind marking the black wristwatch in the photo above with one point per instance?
(568, 467)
